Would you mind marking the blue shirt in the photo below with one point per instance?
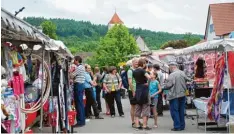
(153, 87)
(88, 79)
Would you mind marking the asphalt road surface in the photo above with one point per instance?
(123, 124)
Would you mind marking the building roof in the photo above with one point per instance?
(141, 44)
(201, 41)
(223, 17)
(115, 19)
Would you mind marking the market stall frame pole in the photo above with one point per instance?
(229, 113)
(42, 85)
(51, 89)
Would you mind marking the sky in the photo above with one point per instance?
(175, 16)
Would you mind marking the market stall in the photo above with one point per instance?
(213, 105)
(28, 58)
(18, 65)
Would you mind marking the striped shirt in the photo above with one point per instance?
(112, 81)
(79, 74)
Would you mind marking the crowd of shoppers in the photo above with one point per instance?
(144, 83)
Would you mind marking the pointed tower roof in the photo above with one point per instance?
(115, 19)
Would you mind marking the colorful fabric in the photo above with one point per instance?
(214, 103)
(231, 67)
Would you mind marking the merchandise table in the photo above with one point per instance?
(201, 106)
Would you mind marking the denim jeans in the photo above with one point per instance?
(79, 104)
(177, 109)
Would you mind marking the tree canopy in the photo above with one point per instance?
(49, 28)
(115, 47)
(175, 44)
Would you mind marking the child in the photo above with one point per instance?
(155, 89)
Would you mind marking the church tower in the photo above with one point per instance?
(114, 20)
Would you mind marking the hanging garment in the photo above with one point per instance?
(214, 103)
(61, 95)
(22, 71)
(17, 84)
(11, 103)
(231, 67)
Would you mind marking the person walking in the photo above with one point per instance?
(112, 84)
(142, 107)
(89, 84)
(160, 96)
(98, 78)
(177, 86)
(155, 89)
(132, 89)
(79, 78)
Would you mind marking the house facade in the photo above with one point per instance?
(220, 21)
(141, 44)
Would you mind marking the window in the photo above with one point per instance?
(211, 28)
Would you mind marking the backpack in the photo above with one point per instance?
(124, 77)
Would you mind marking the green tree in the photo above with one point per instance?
(176, 44)
(49, 28)
(190, 39)
(115, 46)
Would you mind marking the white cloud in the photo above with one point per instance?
(177, 16)
(159, 13)
(74, 6)
(187, 6)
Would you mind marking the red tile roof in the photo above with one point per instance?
(223, 18)
(115, 19)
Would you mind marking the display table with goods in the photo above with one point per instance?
(202, 112)
(216, 105)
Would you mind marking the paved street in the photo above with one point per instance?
(123, 125)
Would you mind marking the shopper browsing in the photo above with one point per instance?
(155, 89)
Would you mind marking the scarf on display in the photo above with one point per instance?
(231, 67)
(214, 103)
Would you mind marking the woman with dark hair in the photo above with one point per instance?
(142, 107)
(112, 84)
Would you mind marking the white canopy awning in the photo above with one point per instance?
(221, 45)
(57, 46)
(9, 21)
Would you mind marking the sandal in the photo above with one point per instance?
(155, 126)
(147, 128)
